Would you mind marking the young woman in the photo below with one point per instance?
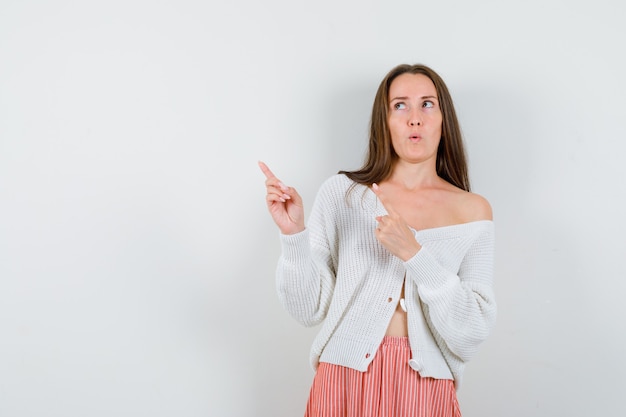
(396, 262)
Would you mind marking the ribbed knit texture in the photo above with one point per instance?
(336, 272)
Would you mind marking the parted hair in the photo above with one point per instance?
(380, 158)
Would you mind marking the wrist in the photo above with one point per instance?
(410, 253)
(292, 230)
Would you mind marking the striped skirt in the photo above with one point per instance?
(389, 388)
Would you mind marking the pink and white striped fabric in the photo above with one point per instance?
(389, 388)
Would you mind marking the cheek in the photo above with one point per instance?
(436, 121)
(393, 125)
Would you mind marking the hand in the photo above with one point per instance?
(284, 204)
(393, 232)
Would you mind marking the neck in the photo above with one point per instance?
(414, 176)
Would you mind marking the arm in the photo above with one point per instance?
(460, 307)
(305, 276)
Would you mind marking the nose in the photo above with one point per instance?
(415, 118)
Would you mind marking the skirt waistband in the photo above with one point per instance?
(396, 341)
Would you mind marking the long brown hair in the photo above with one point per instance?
(451, 160)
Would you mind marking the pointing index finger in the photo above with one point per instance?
(382, 199)
(268, 173)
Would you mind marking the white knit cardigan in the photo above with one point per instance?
(336, 272)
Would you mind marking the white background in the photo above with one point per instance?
(136, 254)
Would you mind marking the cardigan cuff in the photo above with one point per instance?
(427, 271)
(296, 247)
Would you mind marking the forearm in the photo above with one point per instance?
(304, 284)
(461, 307)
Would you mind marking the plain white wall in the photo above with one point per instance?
(136, 255)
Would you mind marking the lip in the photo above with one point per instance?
(415, 137)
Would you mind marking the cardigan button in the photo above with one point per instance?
(415, 365)
(367, 355)
(389, 299)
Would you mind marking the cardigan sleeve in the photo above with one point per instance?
(459, 306)
(305, 276)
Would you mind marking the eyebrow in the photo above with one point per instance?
(406, 98)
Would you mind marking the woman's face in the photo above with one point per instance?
(414, 118)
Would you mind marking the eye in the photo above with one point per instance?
(428, 104)
(399, 106)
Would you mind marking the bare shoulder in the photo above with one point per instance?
(468, 207)
(464, 206)
(475, 207)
